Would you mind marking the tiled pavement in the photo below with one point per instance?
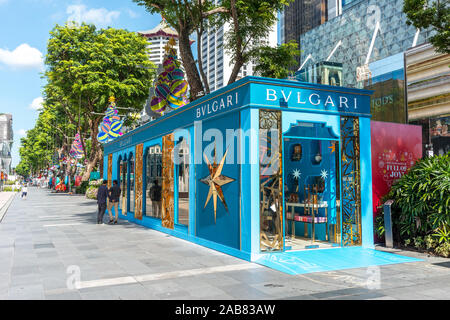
(44, 235)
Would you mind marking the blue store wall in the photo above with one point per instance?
(226, 228)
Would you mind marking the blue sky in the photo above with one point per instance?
(24, 31)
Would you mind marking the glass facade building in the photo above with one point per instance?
(6, 141)
(347, 38)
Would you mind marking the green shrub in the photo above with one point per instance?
(91, 192)
(430, 242)
(443, 249)
(96, 183)
(11, 189)
(421, 209)
(81, 189)
(419, 242)
(422, 197)
(379, 225)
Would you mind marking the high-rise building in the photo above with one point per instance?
(217, 63)
(367, 40)
(158, 38)
(6, 141)
(428, 77)
(303, 15)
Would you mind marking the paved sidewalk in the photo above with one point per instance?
(47, 240)
(5, 199)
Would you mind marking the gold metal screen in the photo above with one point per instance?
(351, 182)
(109, 171)
(271, 181)
(168, 182)
(138, 191)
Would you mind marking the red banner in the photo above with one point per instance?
(395, 149)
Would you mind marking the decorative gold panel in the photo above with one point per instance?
(271, 181)
(109, 171)
(138, 190)
(351, 185)
(168, 182)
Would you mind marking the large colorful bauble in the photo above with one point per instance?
(158, 104)
(179, 88)
(107, 120)
(116, 127)
(174, 102)
(168, 62)
(102, 137)
(114, 118)
(177, 74)
(111, 111)
(162, 91)
(105, 127)
(163, 77)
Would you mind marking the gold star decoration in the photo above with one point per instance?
(170, 44)
(216, 180)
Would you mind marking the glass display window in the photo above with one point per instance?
(153, 188)
(182, 171)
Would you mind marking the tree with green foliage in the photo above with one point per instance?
(86, 66)
(435, 14)
(276, 62)
(251, 22)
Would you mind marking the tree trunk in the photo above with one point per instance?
(239, 58)
(193, 77)
(96, 155)
(200, 61)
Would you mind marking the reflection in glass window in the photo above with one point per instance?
(270, 170)
(153, 187)
(183, 183)
(123, 186)
(132, 184)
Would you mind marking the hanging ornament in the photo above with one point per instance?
(76, 150)
(111, 125)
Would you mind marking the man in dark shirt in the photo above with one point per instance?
(102, 197)
(155, 196)
(114, 195)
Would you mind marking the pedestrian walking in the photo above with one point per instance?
(155, 196)
(114, 196)
(24, 191)
(102, 197)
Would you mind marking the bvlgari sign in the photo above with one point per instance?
(217, 105)
(308, 99)
(322, 100)
(313, 99)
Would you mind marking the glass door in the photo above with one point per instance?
(311, 193)
(123, 186)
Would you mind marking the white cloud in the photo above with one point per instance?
(101, 17)
(22, 132)
(131, 13)
(23, 56)
(37, 103)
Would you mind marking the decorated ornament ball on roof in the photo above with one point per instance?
(170, 86)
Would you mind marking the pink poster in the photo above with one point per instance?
(395, 149)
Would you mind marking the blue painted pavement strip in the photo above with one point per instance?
(323, 260)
